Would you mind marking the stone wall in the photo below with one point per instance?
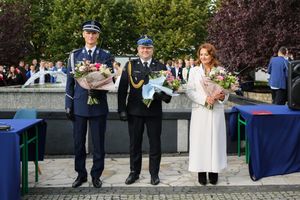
(50, 103)
(54, 99)
(264, 97)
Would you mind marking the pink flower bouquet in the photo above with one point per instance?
(93, 76)
(219, 80)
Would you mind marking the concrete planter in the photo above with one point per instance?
(50, 104)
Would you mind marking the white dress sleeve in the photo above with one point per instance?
(194, 89)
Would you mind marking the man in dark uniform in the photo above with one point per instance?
(134, 76)
(80, 112)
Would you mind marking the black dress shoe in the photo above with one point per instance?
(202, 178)
(155, 180)
(97, 183)
(213, 178)
(132, 177)
(78, 182)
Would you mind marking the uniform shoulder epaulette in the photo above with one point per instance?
(134, 60)
(106, 51)
(75, 50)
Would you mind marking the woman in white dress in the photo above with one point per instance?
(207, 152)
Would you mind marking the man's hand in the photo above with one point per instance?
(69, 114)
(123, 116)
(162, 96)
(94, 93)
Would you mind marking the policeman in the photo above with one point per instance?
(81, 113)
(134, 76)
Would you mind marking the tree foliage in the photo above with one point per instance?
(14, 33)
(176, 26)
(247, 32)
(39, 11)
(118, 25)
(65, 33)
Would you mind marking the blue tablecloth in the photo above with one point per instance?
(273, 133)
(10, 156)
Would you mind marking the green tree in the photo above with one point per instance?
(39, 12)
(55, 25)
(14, 33)
(65, 34)
(118, 25)
(176, 26)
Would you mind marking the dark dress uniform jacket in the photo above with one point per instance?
(179, 75)
(135, 105)
(76, 96)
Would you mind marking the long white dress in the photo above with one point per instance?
(207, 151)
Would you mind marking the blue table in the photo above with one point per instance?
(273, 134)
(10, 156)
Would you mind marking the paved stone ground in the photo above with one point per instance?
(185, 192)
(176, 182)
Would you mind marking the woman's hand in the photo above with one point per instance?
(220, 96)
(210, 100)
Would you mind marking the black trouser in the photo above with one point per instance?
(136, 128)
(97, 127)
(279, 96)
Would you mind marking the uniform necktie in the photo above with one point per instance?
(146, 65)
(146, 68)
(90, 55)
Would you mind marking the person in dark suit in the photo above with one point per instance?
(177, 70)
(22, 70)
(81, 113)
(134, 76)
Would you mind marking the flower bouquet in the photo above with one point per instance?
(219, 80)
(160, 81)
(171, 82)
(94, 76)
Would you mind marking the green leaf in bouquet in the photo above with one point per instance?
(147, 102)
(92, 101)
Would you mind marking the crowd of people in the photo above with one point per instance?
(18, 75)
(180, 68)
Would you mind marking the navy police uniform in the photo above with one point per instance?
(140, 115)
(76, 102)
